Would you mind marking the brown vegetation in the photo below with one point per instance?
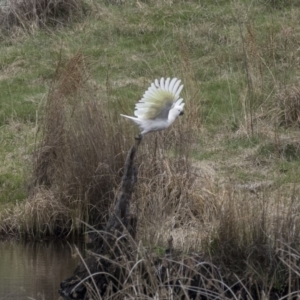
(29, 14)
(288, 105)
(80, 155)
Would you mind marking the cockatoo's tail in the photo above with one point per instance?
(159, 107)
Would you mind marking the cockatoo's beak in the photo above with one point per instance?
(181, 113)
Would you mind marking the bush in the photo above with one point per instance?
(81, 151)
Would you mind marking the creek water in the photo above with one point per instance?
(34, 271)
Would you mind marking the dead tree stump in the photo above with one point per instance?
(93, 273)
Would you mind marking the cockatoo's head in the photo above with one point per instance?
(177, 110)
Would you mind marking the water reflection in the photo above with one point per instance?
(34, 270)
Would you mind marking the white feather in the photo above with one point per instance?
(179, 91)
(162, 83)
(179, 101)
(167, 84)
(176, 87)
(172, 84)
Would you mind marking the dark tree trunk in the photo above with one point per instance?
(109, 245)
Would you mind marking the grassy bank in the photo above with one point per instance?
(223, 181)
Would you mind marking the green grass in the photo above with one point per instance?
(238, 144)
(16, 140)
(12, 186)
(18, 100)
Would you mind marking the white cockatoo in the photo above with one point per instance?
(159, 107)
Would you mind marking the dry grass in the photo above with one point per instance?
(30, 14)
(40, 216)
(137, 272)
(252, 229)
(253, 263)
(287, 100)
(166, 201)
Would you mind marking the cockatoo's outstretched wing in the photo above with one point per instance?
(159, 107)
(160, 97)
